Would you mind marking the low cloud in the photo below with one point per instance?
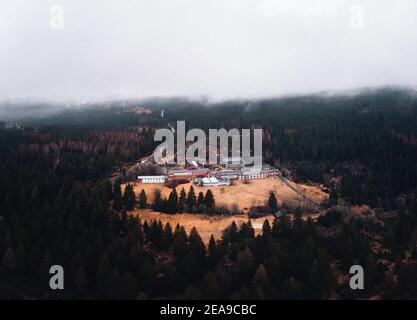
(108, 49)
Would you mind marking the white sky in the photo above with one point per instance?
(216, 48)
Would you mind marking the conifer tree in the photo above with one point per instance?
(179, 244)
(117, 196)
(272, 202)
(213, 252)
(172, 205)
(209, 201)
(129, 197)
(266, 228)
(142, 199)
(182, 200)
(158, 204)
(166, 236)
(196, 245)
(191, 200)
(200, 202)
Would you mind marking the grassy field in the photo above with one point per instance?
(206, 225)
(243, 195)
(240, 194)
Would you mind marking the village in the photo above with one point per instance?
(230, 169)
(240, 188)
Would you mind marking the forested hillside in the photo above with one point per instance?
(368, 139)
(57, 205)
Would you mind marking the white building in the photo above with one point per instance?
(211, 182)
(151, 179)
(250, 173)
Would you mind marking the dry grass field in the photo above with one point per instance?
(240, 194)
(206, 225)
(243, 195)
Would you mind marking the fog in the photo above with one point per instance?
(77, 50)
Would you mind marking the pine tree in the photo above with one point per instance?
(191, 200)
(166, 236)
(182, 200)
(213, 252)
(209, 201)
(172, 205)
(129, 197)
(230, 234)
(266, 228)
(245, 263)
(200, 202)
(261, 277)
(272, 202)
(197, 248)
(117, 196)
(158, 204)
(180, 243)
(246, 230)
(142, 199)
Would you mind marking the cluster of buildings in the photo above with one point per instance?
(220, 175)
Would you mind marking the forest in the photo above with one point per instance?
(57, 205)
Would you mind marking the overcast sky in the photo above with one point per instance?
(216, 48)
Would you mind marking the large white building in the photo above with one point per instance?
(151, 179)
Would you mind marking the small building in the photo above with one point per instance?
(211, 182)
(179, 173)
(229, 174)
(263, 172)
(188, 173)
(199, 172)
(151, 179)
(206, 182)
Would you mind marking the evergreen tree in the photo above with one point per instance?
(261, 278)
(117, 196)
(272, 202)
(158, 203)
(209, 201)
(213, 252)
(191, 200)
(167, 236)
(142, 199)
(200, 202)
(196, 245)
(172, 205)
(182, 200)
(180, 243)
(266, 228)
(230, 234)
(246, 265)
(129, 197)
